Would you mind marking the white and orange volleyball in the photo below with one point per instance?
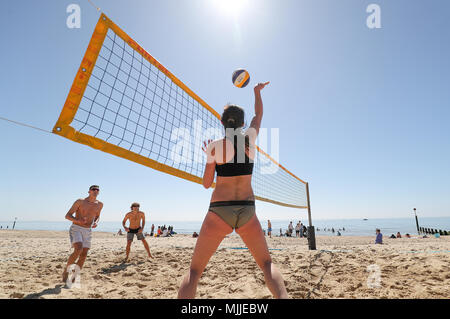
(241, 78)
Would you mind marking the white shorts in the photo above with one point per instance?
(80, 234)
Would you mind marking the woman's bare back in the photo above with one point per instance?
(230, 188)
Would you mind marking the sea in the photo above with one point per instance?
(353, 227)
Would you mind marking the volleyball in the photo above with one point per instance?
(241, 78)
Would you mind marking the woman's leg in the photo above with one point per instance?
(253, 236)
(213, 231)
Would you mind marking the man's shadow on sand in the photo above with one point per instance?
(48, 291)
(57, 289)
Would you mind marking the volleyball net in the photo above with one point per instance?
(125, 103)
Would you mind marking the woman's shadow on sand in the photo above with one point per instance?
(48, 291)
(116, 268)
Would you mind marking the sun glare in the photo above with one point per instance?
(230, 7)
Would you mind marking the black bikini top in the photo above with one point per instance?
(233, 168)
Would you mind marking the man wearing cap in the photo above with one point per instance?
(87, 214)
(135, 217)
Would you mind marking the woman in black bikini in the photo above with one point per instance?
(233, 202)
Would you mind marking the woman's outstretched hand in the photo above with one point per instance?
(205, 145)
(260, 86)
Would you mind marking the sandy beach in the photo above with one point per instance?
(31, 263)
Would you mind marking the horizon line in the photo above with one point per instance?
(168, 220)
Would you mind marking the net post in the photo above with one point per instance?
(311, 232)
(417, 222)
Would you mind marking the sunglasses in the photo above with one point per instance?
(95, 189)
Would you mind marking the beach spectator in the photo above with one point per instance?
(338, 233)
(269, 228)
(332, 230)
(301, 230)
(195, 235)
(120, 232)
(281, 232)
(398, 235)
(152, 230)
(290, 228)
(343, 228)
(304, 231)
(393, 236)
(297, 230)
(408, 236)
(379, 238)
(159, 231)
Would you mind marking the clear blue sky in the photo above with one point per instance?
(363, 114)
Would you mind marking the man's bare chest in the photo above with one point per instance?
(89, 209)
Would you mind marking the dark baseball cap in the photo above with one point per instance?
(94, 187)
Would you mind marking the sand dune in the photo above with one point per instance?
(31, 263)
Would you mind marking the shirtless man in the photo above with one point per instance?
(135, 217)
(87, 214)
